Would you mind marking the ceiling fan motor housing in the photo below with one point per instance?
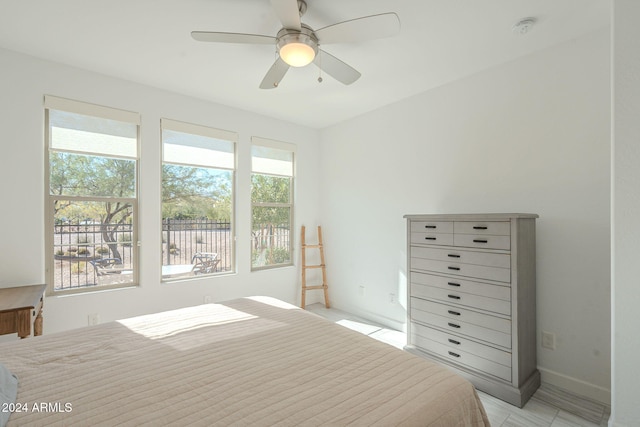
(305, 36)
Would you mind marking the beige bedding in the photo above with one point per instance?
(246, 362)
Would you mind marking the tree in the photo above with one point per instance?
(271, 198)
(268, 194)
(73, 175)
(189, 192)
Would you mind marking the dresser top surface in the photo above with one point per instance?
(471, 217)
(20, 297)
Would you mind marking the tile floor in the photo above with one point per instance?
(549, 406)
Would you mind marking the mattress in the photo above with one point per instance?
(247, 362)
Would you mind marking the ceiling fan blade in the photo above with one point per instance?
(211, 36)
(360, 29)
(336, 68)
(275, 74)
(288, 13)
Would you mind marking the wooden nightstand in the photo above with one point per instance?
(21, 310)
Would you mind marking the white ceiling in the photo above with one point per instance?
(148, 41)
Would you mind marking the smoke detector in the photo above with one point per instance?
(524, 25)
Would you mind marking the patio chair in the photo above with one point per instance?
(106, 266)
(205, 262)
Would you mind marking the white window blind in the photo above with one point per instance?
(272, 157)
(195, 145)
(87, 128)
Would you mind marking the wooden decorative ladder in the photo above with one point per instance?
(305, 267)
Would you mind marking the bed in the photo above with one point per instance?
(251, 361)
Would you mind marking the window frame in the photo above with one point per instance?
(283, 146)
(208, 132)
(100, 112)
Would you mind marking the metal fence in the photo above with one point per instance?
(76, 245)
(271, 245)
(183, 238)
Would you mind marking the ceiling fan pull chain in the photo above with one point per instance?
(319, 67)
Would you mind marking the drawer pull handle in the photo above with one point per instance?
(480, 227)
(454, 342)
(451, 353)
(429, 238)
(480, 241)
(454, 268)
(455, 313)
(430, 226)
(454, 296)
(453, 256)
(453, 284)
(453, 325)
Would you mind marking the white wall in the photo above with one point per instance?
(625, 289)
(531, 135)
(23, 82)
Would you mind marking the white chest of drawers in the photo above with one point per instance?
(471, 298)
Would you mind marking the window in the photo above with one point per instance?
(198, 166)
(271, 203)
(92, 196)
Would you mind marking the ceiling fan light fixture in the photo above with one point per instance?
(297, 54)
(297, 49)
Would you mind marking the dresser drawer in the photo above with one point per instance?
(464, 315)
(432, 232)
(432, 226)
(459, 269)
(454, 296)
(497, 291)
(496, 228)
(455, 256)
(457, 320)
(461, 357)
(461, 344)
(431, 238)
(482, 241)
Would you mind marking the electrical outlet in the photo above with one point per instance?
(548, 340)
(207, 299)
(93, 319)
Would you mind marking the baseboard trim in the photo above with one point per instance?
(375, 317)
(576, 386)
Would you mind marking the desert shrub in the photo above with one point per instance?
(78, 267)
(125, 239)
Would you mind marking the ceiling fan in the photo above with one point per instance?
(298, 44)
